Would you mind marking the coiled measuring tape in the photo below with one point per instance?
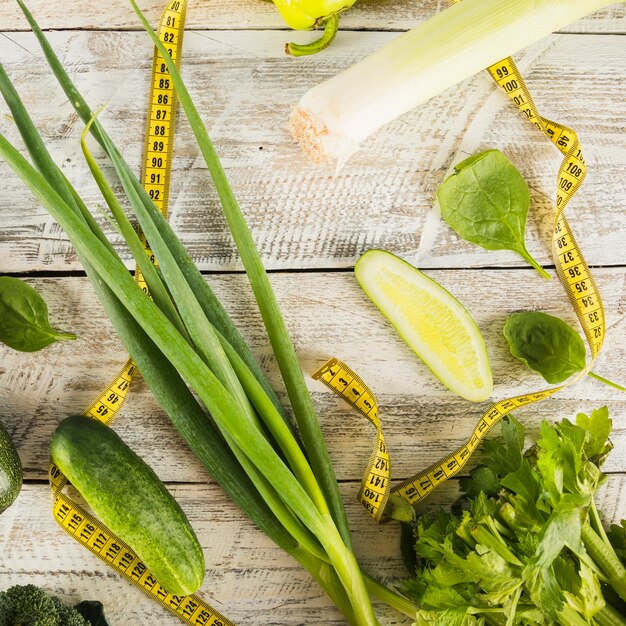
(72, 517)
(581, 289)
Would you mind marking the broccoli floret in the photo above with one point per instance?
(27, 605)
(69, 616)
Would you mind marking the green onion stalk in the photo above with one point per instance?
(194, 359)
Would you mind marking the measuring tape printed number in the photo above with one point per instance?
(576, 278)
(155, 177)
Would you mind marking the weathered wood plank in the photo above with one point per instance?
(302, 215)
(250, 14)
(248, 578)
(328, 315)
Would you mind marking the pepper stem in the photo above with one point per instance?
(331, 25)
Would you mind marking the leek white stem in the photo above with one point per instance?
(335, 116)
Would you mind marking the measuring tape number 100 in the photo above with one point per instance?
(576, 278)
(72, 517)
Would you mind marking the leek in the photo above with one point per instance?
(334, 117)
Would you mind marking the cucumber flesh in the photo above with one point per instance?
(126, 494)
(434, 324)
(10, 470)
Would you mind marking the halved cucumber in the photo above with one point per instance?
(435, 325)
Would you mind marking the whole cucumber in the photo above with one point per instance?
(10, 470)
(129, 498)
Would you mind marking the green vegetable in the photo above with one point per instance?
(131, 500)
(309, 14)
(24, 322)
(486, 202)
(617, 536)
(28, 605)
(92, 611)
(10, 470)
(529, 548)
(306, 14)
(547, 345)
(435, 325)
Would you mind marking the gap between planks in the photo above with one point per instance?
(303, 270)
(366, 15)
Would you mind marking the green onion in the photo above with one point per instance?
(216, 398)
(163, 379)
(334, 117)
(184, 342)
(276, 329)
(210, 303)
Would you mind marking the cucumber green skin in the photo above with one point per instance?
(10, 470)
(128, 497)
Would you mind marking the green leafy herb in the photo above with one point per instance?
(24, 322)
(532, 550)
(486, 202)
(547, 345)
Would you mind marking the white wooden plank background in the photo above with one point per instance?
(303, 218)
(328, 315)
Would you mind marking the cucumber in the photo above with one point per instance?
(435, 325)
(126, 494)
(10, 470)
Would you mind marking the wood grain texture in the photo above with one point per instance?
(303, 216)
(251, 14)
(248, 578)
(327, 315)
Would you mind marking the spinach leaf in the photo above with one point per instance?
(486, 202)
(24, 322)
(546, 344)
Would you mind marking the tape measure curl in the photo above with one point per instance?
(72, 517)
(581, 289)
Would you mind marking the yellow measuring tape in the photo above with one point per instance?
(72, 517)
(576, 279)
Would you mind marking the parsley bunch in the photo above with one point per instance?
(530, 548)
